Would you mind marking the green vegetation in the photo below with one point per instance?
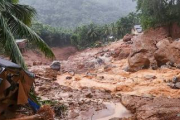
(84, 36)
(158, 12)
(14, 22)
(74, 13)
(54, 37)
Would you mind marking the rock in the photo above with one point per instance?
(107, 68)
(127, 37)
(56, 65)
(100, 77)
(73, 114)
(161, 55)
(129, 118)
(168, 53)
(172, 85)
(122, 53)
(150, 77)
(158, 108)
(37, 63)
(138, 62)
(100, 61)
(123, 88)
(68, 78)
(89, 95)
(80, 66)
(72, 73)
(90, 75)
(177, 85)
(145, 46)
(175, 79)
(163, 44)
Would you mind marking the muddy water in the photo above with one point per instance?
(114, 110)
(84, 82)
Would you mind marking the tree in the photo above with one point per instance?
(125, 24)
(158, 12)
(15, 20)
(92, 32)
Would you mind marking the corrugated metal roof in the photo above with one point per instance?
(6, 63)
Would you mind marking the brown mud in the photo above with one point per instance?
(95, 84)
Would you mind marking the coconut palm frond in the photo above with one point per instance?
(13, 1)
(19, 28)
(9, 43)
(14, 21)
(24, 13)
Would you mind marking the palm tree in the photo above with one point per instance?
(15, 20)
(92, 33)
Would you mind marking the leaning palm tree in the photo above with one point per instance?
(15, 20)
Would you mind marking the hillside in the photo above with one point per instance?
(68, 14)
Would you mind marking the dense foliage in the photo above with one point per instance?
(158, 12)
(54, 37)
(14, 22)
(74, 13)
(92, 34)
(84, 36)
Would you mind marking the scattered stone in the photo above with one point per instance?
(100, 77)
(73, 114)
(108, 68)
(100, 61)
(37, 63)
(89, 95)
(80, 66)
(68, 78)
(77, 78)
(150, 77)
(72, 73)
(56, 65)
(123, 88)
(177, 85)
(90, 75)
(176, 79)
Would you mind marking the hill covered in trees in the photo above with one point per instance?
(73, 13)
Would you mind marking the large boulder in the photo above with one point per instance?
(122, 52)
(56, 65)
(168, 52)
(163, 52)
(149, 108)
(127, 37)
(138, 61)
(149, 49)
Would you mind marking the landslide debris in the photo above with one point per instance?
(136, 73)
(154, 108)
(155, 48)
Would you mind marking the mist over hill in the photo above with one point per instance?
(72, 13)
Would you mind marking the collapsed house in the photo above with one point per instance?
(22, 44)
(15, 85)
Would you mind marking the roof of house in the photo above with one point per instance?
(6, 64)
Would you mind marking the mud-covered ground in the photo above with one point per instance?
(92, 84)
